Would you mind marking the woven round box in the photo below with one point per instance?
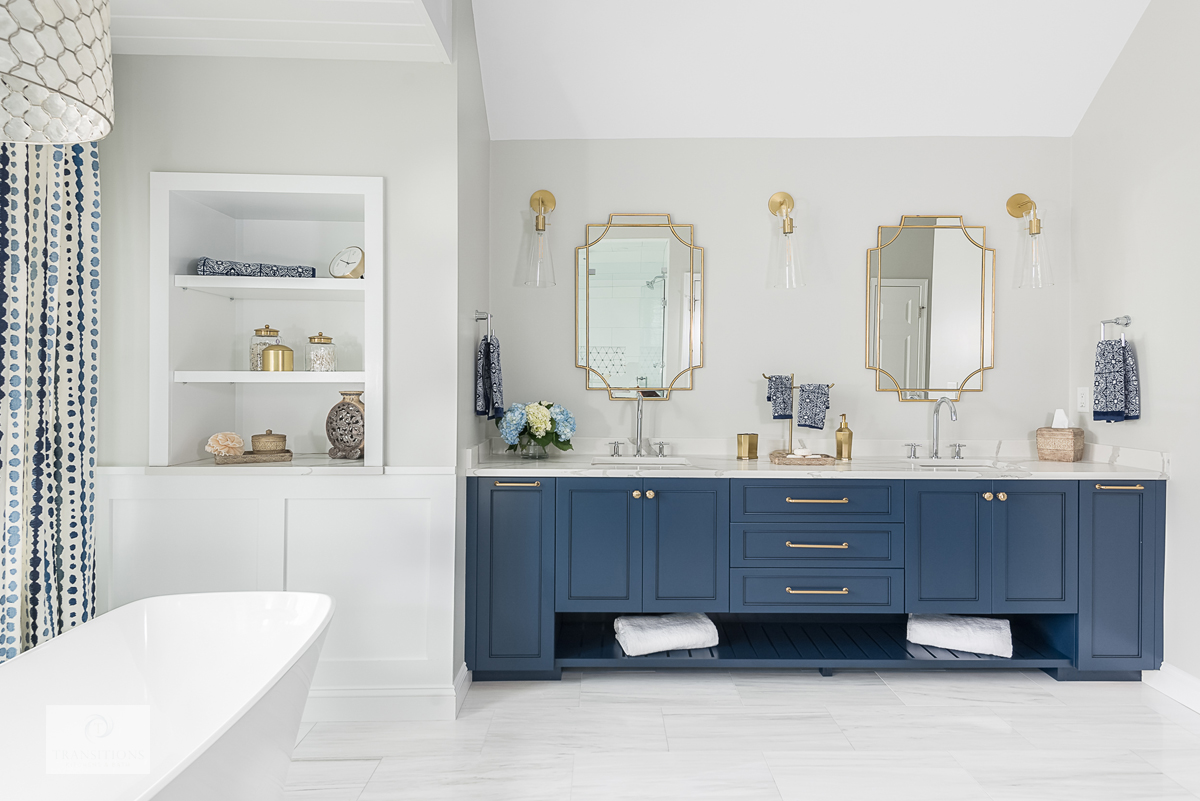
(269, 442)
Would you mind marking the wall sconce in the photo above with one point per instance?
(783, 261)
(1033, 259)
(539, 265)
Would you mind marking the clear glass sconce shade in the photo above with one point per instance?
(56, 83)
(1033, 259)
(784, 270)
(539, 264)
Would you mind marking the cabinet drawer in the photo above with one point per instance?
(816, 590)
(816, 545)
(780, 499)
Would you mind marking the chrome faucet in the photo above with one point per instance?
(936, 427)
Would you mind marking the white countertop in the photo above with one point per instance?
(867, 468)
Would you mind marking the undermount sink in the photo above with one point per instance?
(948, 464)
(645, 461)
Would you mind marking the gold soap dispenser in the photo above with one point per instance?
(845, 441)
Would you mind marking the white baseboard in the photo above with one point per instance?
(383, 703)
(1176, 684)
(462, 683)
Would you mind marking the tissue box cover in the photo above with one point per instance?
(1060, 444)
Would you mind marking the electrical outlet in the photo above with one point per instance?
(1083, 399)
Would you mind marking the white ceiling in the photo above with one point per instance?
(620, 69)
(373, 30)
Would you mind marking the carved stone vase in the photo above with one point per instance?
(345, 426)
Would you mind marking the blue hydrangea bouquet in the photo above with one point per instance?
(526, 425)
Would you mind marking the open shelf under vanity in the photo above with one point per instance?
(588, 641)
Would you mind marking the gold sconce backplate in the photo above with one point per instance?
(780, 200)
(1019, 203)
(542, 201)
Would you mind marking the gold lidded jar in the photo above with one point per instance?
(278, 358)
(262, 338)
(270, 442)
(320, 355)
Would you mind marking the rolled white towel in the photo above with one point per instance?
(650, 634)
(977, 635)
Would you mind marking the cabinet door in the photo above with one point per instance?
(599, 545)
(685, 548)
(1120, 537)
(513, 575)
(948, 544)
(1035, 547)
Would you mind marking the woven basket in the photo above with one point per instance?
(269, 442)
(1060, 444)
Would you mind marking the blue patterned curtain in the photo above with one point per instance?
(49, 329)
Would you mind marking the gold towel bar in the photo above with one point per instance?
(1108, 486)
(517, 483)
(805, 500)
(791, 544)
(842, 591)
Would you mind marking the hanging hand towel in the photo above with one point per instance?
(495, 380)
(481, 368)
(779, 395)
(1116, 390)
(812, 401)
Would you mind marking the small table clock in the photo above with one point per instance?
(348, 263)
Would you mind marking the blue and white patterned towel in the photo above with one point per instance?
(812, 401)
(779, 395)
(1116, 390)
(489, 379)
(207, 266)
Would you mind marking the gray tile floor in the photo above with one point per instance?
(924, 735)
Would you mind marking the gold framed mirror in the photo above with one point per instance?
(639, 306)
(931, 297)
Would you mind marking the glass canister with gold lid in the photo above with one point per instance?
(262, 338)
(320, 355)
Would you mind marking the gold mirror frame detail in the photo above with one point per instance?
(987, 331)
(695, 343)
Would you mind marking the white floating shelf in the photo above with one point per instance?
(268, 377)
(302, 464)
(245, 288)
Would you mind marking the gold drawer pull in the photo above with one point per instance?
(805, 500)
(517, 483)
(1002, 496)
(842, 591)
(637, 494)
(987, 496)
(1111, 486)
(650, 494)
(791, 544)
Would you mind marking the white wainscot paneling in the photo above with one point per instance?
(372, 556)
(163, 546)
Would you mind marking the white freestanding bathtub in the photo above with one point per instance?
(175, 698)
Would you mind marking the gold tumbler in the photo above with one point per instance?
(747, 446)
(277, 358)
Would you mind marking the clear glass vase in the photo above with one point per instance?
(530, 449)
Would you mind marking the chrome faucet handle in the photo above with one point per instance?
(958, 446)
(661, 446)
(616, 447)
(912, 449)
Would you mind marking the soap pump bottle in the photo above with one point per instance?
(845, 440)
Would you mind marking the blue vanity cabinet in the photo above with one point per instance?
(1120, 579)
(948, 545)
(510, 577)
(598, 545)
(1035, 547)
(685, 545)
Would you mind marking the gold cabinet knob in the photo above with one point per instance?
(1003, 496)
(987, 496)
(637, 493)
(649, 493)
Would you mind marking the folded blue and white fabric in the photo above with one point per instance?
(650, 634)
(975, 635)
(812, 401)
(779, 395)
(208, 266)
(1116, 388)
